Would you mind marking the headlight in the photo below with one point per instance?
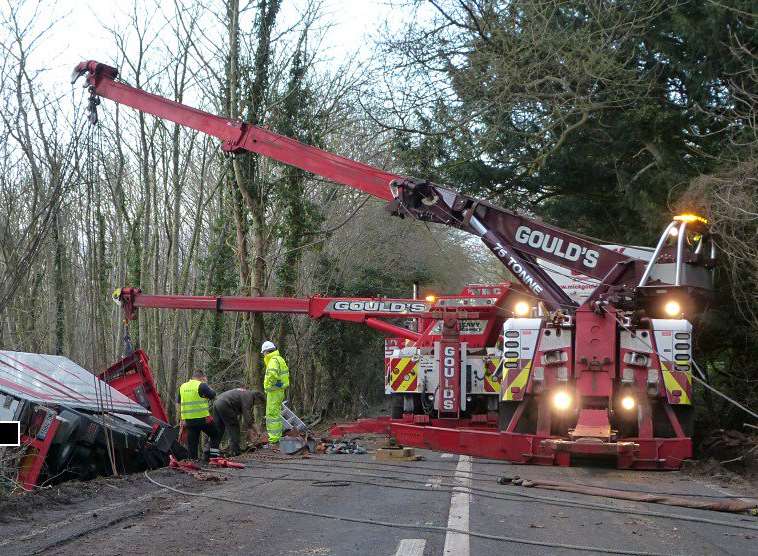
(521, 308)
(628, 402)
(561, 400)
(672, 308)
(430, 298)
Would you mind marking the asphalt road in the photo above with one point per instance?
(141, 518)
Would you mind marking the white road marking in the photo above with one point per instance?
(411, 547)
(446, 456)
(434, 482)
(457, 544)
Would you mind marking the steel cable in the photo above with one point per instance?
(375, 466)
(704, 383)
(520, 495)
(395, 525)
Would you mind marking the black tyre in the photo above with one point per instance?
(397, 406)
(686, 416)
(662, 427)
(505, 413)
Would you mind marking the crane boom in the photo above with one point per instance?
(606, 367)
(372, 312)
(239, 136)
(517, 241)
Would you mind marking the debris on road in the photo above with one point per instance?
(291, 445)
(397, 453)
(344, 447)
(191, 468)
(223, 462)
(183, 465)
(730, 446)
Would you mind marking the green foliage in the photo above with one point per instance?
(594, 106)
(352, 355)
(300, 215)
(595, 116)
(218, 270)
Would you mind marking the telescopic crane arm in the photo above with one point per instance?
(373, 312)
(236, 136)
(516, 240)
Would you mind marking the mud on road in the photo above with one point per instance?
(55, 515)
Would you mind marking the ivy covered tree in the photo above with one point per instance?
(589, 114)
(596, 116)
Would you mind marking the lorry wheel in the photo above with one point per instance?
(662, 427)
(397, 406)
(686, 416)
(505, 413)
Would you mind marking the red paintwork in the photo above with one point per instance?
(595, 353)
(388, 328)
(132, 377)
(378, 425)
(510, 236)
(223, 462)
(485, 441)
(592, 423)
(34, 459)
(349, 309)
(239, 136)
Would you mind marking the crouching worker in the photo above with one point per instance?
(228, 407)
(192, 399)
(275, 383)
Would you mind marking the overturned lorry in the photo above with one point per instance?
(76, 424)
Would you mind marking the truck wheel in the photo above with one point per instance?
(397, 406)
(661, 425)
(505, 413)
(686, 416)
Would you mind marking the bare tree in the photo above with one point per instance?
(38, 156)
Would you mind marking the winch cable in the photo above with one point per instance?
(718, 393)
(699, 380)
(513, 496)
(102, 391)
(367, 465)
(397, 525)
(412, 470)
(520, 495)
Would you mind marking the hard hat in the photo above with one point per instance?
(267, 346)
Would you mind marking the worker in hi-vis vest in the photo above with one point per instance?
(275, 381)
(192, 400)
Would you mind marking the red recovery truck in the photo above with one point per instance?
(608, 377)
(416, 328)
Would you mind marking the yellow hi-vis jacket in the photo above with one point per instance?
(193, 406)
(277, 375)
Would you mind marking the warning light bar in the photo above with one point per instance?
(689, 218)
